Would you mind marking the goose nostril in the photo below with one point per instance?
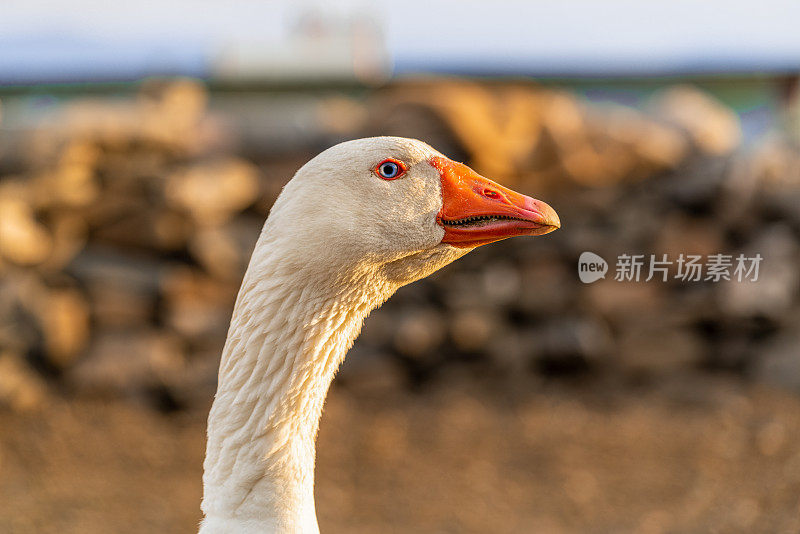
(491, 194)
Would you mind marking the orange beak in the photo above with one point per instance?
(476, 211)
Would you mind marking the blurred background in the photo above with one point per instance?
(142, 145)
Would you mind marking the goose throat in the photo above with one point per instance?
(285, 343)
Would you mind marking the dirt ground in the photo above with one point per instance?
(697, 457)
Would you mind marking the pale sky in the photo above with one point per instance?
(568, 37)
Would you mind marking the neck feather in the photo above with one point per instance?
(290, 330)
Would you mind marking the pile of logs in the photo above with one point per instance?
(126, 225)
(545, 137)
(123, 236)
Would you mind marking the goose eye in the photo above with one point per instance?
(390, 169)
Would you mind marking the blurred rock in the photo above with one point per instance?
(212, 192)
(680, 234)
(471, 330)
(734, 352)
(196, 306)
(364, 370)
(195, 383)
(776, 289)
(639, 221)
(63, 315)
(779, 362)
(69, 238)
(19, 332)
(713, 127)
(464, 290)
(122, 290)
(547, 288)
(129, 363)
(651, 347)
(574, 337)
(514, 350)
(655, 147)
(419, 332)
(624, 301)
(21, 389)
(700, 188)
(23, 240)
(501, 283)
(378, 327)
(776, 168)
(170, 114)
(225, 250)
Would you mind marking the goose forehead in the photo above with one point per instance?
(374, 149)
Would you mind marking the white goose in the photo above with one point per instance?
(354, 224)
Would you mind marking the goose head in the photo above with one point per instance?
(397, 207)
(354, 224)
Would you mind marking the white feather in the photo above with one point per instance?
(338, 242)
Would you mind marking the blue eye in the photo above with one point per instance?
(390, 169)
